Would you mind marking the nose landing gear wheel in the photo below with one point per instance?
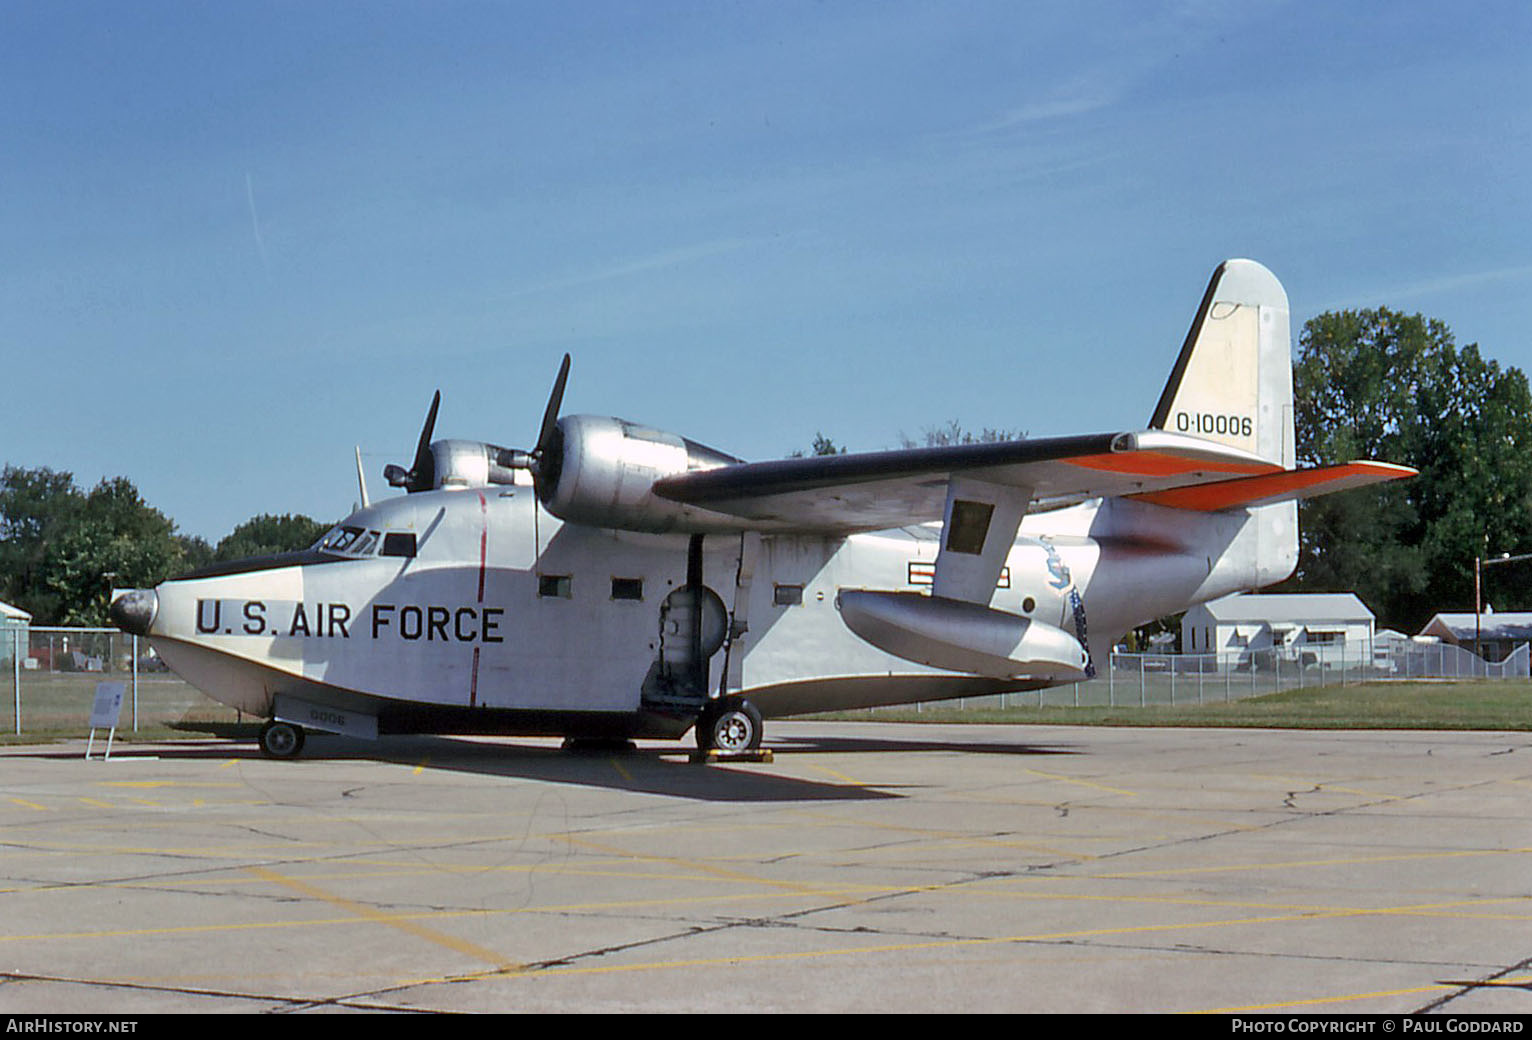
(281, 739)
(730, 725)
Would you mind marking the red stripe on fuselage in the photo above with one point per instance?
(473, 682)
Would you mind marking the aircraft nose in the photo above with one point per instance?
(133, 612)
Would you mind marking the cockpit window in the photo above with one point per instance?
(399, 543)
(349, 541)
(338, 539)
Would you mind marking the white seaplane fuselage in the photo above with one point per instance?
(505, 619)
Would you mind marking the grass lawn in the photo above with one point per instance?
(1497, 704)
(1500, 704)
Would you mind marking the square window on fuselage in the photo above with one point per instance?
(555, 586)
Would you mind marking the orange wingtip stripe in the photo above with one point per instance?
(1226, 494)
(1157, 464)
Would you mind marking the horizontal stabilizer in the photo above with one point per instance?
(1268, 488)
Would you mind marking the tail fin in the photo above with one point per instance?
(1233, 381)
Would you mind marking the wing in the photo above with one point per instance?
(981, 491)
(843, 494)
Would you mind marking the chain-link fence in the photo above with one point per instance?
(1141, 680)
(53, 674)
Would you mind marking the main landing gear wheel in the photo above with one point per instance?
(731, 725)
(281, 739)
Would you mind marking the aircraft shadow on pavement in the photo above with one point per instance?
(906, 744)
(648, 769)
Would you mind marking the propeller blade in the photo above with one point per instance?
(423, 469)
(421, 475)
(551, 413)
(423, 449)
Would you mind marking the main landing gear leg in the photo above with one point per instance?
(729, 725)
(281, 739)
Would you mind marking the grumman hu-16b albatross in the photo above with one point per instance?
(619, 581)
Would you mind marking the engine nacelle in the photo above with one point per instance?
(601, 471)
(461, 464)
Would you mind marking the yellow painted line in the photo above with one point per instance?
(421, 766)
(239, 852)
(230, 762)
(695, 865)
(368, 913)
(98, 804)
(27, 805)
(842, 777)
(737, 960)
(1515, 981)
(1320, 1001)
(945, 839)
(425, 915)
(1462, 909)
(1326, 787)
(1381, 795)
(621, 771)
(169, 783)
(1083, 783)
(406, 921)
(1291, 864)
(394, 871)
(1007, 888)
(1518, 982)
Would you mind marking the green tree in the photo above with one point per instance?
(825, 446)
(62, 550)
(36, 507)
(822, 446)
(942, 436)
(952, 432)
(195, 552)
(113, 538)
(265, 535)
(1384, 385)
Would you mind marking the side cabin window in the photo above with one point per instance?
(787, 595)
(555, 586)
(628, 588)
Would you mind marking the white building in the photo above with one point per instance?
(1494, 637)
(1332, 629)
(13, 620)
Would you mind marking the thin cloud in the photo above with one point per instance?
(674, 257)
(1437, 286)
(255, 220)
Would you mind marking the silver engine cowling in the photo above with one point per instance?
(601, 470)
(462, 464)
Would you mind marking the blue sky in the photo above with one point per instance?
(239, 239)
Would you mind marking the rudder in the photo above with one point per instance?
(1233, 380)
